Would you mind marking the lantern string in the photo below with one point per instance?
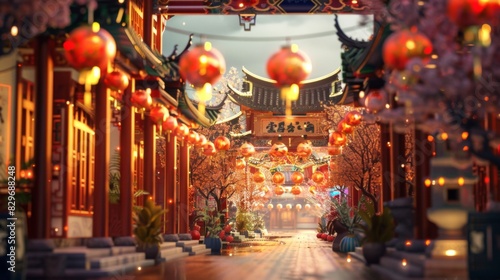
(265, 38)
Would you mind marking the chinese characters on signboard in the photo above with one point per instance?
(297, 126)
(289, 127)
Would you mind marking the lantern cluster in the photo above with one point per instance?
(338, 138)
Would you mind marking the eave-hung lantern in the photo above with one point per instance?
(202, 66)
(289, 67)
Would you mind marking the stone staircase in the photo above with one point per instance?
(396, 265)
(193, 247)
(169, 251)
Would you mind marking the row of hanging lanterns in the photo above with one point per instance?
(288, 206)
(338, 138)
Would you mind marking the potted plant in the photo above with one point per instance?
(148, 228)
(345, 224)
(377, 230)
(212, 219)
(244, 222)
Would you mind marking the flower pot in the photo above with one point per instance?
(152, 252)
(215, 245)
(373, 252)
(349, 243)
(336, 241)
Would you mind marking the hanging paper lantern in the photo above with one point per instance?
(182, 131)
(404, 45)
(318, 177)
(344, 127)
(288, 206)
(465, 13)
(279, 190)
(304, 149)
(240, 164)
(270, 206)
(307, 206)
(353, 118)
(141, 98)
(298, 207)
(278, 178)
(259, 177)
(289, 67)
(222, 143)
(117, 82)
(279, 206)
(296, 190)
(264, 189)
(158, 114)
(193, 137)
(89, 46)
(337, 138)
(376, 100)
(334, 150)
(209, 149)
(170, 125)
(297, 177)
(202, 141)
(247, 150)
(312, 189)
(278, 150)
(202, 66)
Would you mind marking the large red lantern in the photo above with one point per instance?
(247, 150)
(202, 141)
(376, 100)
(117, 82)
(158, 114)
(278, 150)
(141, 98)
(353, 118)
(334, 150)
(344, 127)
(465, 13)
(89, 46)
(259, 177)
(240, 164)
(296, 190)
(318, 177)
(182, 131)
(222, 143)
(304, 149)
(279, 190)
(278, 178)
(337, 138)
(170, 125)
(297, 177)
(202, 66)
(289, 67)
(209, 149)
(404, 45)
(193, 137)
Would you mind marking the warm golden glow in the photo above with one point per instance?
(484, 35)
(404, 262)
(294, 48)
(96, 27)
(430, 138)
(441, 181)
(207, 46)
(427, 182)
(465, 135)
(410, 44)
(450, 253)
(461, 181)
(14, 31)
(408, 243)
(444, 136)
(348, 258)
(427, 242)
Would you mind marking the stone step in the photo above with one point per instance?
(187, 243)
(396, 265)
(171, 250)
(200, 249)
(110, 261)
(167, 245)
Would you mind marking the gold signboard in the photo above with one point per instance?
(270, 126)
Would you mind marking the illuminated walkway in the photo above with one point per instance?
(293, 256)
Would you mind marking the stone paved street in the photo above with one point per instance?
(294, 256)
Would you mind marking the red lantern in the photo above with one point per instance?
(202, 141)
(278, 150)
(229, 238)
(259, 177)
(318, 177)
(344, 127)
(170, 124)
(202, 66)
(158, 113)
(334, 150)
(181, 131)
(247, 150)
(278, 178)
(240, 164)
(297, 177)
(376, 100)
(465, 13)
(296, 190)
(141, 98)
(209, 149)
(289, 67)
(193, 137)
(222, 143)
(279, 190)
(304, 149)
(404, 45)
(337, 138)
(353, 118)
(89, 46)
(116, 81)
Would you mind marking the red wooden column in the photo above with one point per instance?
(170, 187)
(385, 142)
(183, 205)
(127, 138)
(44, 69)
(398, 160)
(100, 223)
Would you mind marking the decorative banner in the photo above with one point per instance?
(283, 126)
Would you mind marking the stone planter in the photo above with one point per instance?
(373, 252)
(214, 244)
(349, 243)
(152, 252)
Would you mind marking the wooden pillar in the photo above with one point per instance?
(398, 161)
(149, 156)
(127, 138)
(160, 194)
(183, 205)
(44, 71)
(100, 224)
(170, 187)
(385, 142)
